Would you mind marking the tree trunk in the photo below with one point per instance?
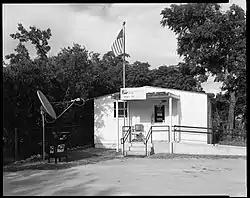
(231, 110)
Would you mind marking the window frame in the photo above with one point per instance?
(121, 110)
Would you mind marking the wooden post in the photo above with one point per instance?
(16, 144)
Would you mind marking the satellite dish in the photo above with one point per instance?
(46, 104)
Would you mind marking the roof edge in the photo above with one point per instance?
(152, 87)
(175, 89)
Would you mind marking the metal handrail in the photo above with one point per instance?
(205, 132)
(147, 138)
(192, 127)
(149, 134)
(211, 131)
(125, 137)
(205, 128)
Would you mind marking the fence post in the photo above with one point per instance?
(16, 144)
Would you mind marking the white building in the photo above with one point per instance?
(152, 106)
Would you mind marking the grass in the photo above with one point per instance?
(94, 155)
(75, 158)
(234, 142)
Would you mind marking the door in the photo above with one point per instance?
(159, 133)
(159, 112)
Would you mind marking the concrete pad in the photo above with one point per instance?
(208, 149)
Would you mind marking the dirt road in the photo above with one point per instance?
(134, 176)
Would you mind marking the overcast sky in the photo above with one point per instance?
(96, 26)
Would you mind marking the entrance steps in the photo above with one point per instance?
(137, 149)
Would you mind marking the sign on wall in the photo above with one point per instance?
(159, 113)
(133, 94)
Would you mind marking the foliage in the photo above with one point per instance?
(212, 42)
(138, 74)
(36, 37)
(175, 77)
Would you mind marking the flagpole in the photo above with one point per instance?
(124, 55)
(123, 63)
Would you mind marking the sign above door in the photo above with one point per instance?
(133, 93)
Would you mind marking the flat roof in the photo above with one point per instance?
(176, 89)
(156, 92)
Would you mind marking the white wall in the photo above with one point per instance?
(193, 112)
(105, 125)
(142, 112)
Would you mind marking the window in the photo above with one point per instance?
(121, 109)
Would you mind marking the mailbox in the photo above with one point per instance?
(57, 147)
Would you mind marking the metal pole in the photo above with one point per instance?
(124, 70)
(170, 125)
(124, 54)
(117, 125)
(43, 123)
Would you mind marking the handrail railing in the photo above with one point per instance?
(149, 134)
(125, 137)
(212, 131)
(147, 138)
(192, 127)
(215, 128)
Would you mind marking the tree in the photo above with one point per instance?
(21, 57)
(175, 77)
(211, 42)
(111, 69)
(70, 74)
(36, 37)
(138, 74)
(23, 77)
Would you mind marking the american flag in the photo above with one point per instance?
(118, 45)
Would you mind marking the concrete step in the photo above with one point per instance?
(137, 148)
(137, 144)
(135, 153)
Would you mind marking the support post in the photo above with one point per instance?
(124, 70)
(117, 127)
(170, 125)
(178, 135)
(16, 144)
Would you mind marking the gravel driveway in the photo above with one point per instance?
(134, 176)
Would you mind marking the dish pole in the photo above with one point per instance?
(43, 123)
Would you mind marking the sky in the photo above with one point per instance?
(96, 26)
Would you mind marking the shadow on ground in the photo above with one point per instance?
(75, 158)
(50, 182)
